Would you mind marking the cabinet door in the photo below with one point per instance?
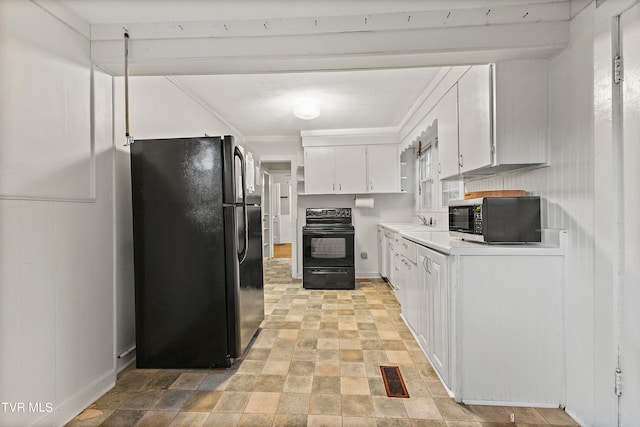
(447, 116)
(412, 300)
(351, 169)
(319, 170)
(425, 320)
(383, 168)
(475, 114)
(440, 303)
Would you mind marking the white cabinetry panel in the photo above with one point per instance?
(447, 116)
(474, 119)
(509, 327)
(383, 168)
(351, 169)
(319, 170)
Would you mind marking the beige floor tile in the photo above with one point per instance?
(156, 419)
(527, 415)
(301, 368)
(494, 414)
(422, 407)
(324, 421)
(202, 401)
(324, 355)
(387, 407)
(354, 385)
(359, 422)
(270, 383)
(351, 356)
(222, 420)
(249, 367)
(298, 384)
(294, 403)
(327, 369)
(232, 401)
(328, 343)
(289, 420)
(452, 411)
(353, 369)
(142, 400)
(325, 385)
(262, 403)
(556, 416)
(241, 382)
(304, 354)
(256, 420)
(190, 419)
(350, 344)
(357, 406)
(188, 381)
(276, 367)
(325, 404)
(399, 357)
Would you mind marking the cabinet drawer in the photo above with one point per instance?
(407, 249)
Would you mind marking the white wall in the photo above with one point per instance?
(56, 236)
(158, 109)
(567, 192)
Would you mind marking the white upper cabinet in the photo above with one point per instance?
(502, 120)
(474, 119)
(447, 116)
(383, 168)
(351, 169)
(319, 170)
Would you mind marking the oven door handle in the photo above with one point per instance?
(331, 233)
(329, 272)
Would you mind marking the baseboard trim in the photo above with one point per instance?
(77, 403)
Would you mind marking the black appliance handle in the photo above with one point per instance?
(242, 255)
(328, 271)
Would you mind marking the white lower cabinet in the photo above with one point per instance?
(488, 318)
(433, 316)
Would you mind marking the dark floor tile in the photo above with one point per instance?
(142, 400)
(123, 418)
(172, 400)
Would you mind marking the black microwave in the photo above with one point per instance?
(496, 219)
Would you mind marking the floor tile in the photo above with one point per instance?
(262, 403)
(294, 403)
(325, 404)
(190, 419)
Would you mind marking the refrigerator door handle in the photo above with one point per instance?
(242, 255)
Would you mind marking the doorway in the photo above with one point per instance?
(280, 208)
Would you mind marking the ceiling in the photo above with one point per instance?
(366, 62)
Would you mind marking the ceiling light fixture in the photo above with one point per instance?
(306, 109)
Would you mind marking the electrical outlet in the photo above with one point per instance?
(364, 255)
(512, 417)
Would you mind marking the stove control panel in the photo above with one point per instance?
(328, 213)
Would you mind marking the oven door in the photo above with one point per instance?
(328, 248)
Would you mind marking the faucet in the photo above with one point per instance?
(424, 220)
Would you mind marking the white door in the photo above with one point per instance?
(630, 287)
(275, 212)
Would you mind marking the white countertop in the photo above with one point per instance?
(553, 242)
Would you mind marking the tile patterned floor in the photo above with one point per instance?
(314, 363)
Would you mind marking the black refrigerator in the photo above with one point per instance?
(197, 227)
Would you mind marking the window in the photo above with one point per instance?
(426, 179)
